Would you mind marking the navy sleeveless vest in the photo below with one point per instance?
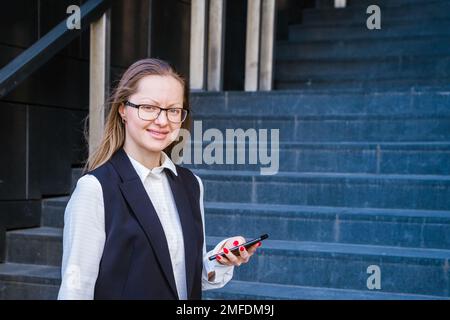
(136, 263)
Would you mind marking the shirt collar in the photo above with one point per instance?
(143, 171)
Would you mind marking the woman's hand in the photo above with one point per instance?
(244, 254)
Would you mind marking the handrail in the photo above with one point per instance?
(48, 46)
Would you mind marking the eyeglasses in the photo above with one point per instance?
(148, 112)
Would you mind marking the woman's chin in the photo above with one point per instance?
(156, 146)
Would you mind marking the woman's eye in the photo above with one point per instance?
(175, 111)
(150, 108)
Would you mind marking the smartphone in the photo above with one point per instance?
(235, 250)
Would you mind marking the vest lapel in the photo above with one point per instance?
(187, 220)
(134, 192)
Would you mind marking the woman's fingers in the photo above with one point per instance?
(233, 242)
(251, 250)
(243, 254)
(223, 260)
(231, 257)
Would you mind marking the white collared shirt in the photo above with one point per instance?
(84, 234)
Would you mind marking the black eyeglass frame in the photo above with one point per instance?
(137, 106)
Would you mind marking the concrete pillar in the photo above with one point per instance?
(267, 45)
(149, 28)
(252, 45)
(98, 78)
(340, 3)
(216, 44)
(197, 47)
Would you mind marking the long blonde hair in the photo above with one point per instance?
(114, 133)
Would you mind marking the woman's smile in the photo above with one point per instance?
(158, 134)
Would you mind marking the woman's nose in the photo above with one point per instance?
(161, 119)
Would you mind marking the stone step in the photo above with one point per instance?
(417, 228)
(386, 227)
(417, 271)
(342, 102)
(29, 282)
(367, 48)
(307, 85)
(328, 128)
(364, 157)
(393, 227)
(382, 68)
(428, 192)
(53, 212)
(366, 3)
(40, 246)
(281, 187)
(361, 190)
(408, 13)
(76, 174)
(248, 290)
(344, 266)
(346, 30)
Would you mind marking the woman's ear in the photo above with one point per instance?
(122, 111)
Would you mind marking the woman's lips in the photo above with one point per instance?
(158, 134)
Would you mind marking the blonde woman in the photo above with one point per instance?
(134, 225)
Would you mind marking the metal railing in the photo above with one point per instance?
(94, 13)
(48, 46)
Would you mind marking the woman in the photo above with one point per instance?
(134, 225)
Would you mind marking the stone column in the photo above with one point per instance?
(252, 45)
(267, 45)
(197, 47)
(98, 78)
(340, 3)
(216, 44)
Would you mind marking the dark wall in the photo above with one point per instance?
(40, 127)
(42, 124)
(289, 12)
(169, 39)
(129, 35)
(129, 32)
(235, 37)
(171, 33)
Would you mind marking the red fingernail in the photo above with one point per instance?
(218, 257)
(225, 250)
(235, 243)
(241, 248)
(259, 244)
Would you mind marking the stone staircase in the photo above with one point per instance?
(333, 49)
(364, 180)
(364, 167)
(364, 159)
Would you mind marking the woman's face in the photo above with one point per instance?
(154, 135)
